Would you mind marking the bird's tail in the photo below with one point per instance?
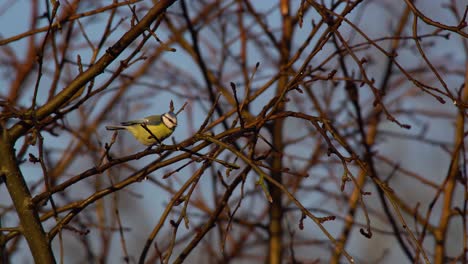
(115, 127)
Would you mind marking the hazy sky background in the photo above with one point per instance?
(143, 211)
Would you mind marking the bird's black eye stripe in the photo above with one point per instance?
(170, 120)
(174, 123)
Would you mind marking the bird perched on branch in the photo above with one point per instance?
(151, 129)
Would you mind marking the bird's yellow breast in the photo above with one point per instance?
(160, 131)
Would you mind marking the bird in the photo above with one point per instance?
(161, 127)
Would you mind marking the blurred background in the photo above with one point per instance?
(355, 108)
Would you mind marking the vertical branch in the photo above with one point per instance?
(275, 228)
(449, 189)
(31, 227)
(368, 140)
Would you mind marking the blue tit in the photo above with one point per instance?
(161, 126)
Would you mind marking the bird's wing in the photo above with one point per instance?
(153, 120)
(134, 122)
(149, 120)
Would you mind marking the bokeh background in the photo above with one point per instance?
(414, 162)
